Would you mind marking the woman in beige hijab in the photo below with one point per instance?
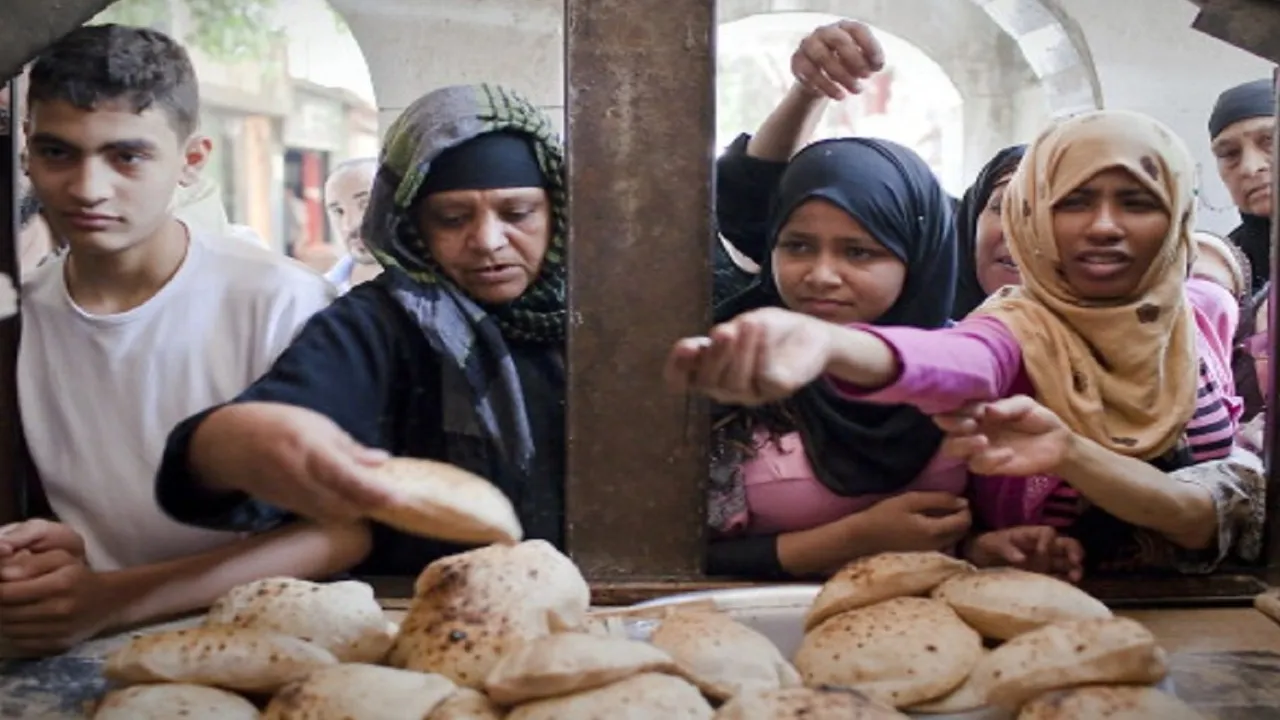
(1125, 355)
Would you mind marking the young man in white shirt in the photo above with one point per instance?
(142, 322)
(346, 197)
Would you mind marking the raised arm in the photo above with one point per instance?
(829, 63)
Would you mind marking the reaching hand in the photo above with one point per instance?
(1037, 548)
(1016, 436)
(291, 457)
(757, 358)
(835, 58)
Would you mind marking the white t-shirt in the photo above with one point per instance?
(99, 394)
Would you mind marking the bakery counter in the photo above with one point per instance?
(1225, 662)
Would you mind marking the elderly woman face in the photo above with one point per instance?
(490, 243)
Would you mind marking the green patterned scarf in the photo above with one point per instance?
(481, 390)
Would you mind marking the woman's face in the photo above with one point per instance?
(992, 260)
(827, 265)
(1108, 232)
(490, 243)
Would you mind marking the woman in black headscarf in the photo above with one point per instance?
(861, 232)
(984, 263)
(454, 353)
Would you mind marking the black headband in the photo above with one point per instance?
(1242, 102)
(486, 162)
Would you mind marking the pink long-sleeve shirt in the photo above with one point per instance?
(979, 359)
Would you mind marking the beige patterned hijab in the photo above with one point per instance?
(1122, 374)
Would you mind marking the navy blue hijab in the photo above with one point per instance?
(969, 292)
(862, 448)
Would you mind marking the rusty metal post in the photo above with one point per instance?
(12, 449)
(1272, 428)
(640, 129)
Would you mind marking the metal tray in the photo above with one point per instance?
(777, 612)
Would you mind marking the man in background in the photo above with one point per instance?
(346, 197)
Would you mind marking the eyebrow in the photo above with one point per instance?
(133, 144)
(857, 239)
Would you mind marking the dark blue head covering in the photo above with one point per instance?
(863, 448)
(1242, 102)
(969, 292)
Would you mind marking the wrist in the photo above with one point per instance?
(1073, 457)
(123, 598)
(804, 94)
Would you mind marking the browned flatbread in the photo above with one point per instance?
(342, 617)
(166, 702)
(466, 704)
(869, 580)
(1068, 654)
(805, 704)
(1004, 603)
(241, 659)
(473, 608)
(566, 663)
(899, 652)
(360, 692)
(648, 696)
(438, 500)
(722, 656)
(1268, 603)
(1109, 702)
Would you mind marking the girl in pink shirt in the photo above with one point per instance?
(862, 232)
(1127, 359)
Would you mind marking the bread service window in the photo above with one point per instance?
(639, 278)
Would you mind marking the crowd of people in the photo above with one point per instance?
(1055, 371)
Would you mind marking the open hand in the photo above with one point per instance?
(1016, 436)
(757, 358)
(1037, 548)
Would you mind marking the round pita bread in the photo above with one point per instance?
(165, 702)
(869, 580)
(342, 617)
(721, 656)
(359, 692)
(899, 652)
(1004, 603)
(466, 704)
(473, 608)
(566, 663)
(241, 659)
(1268, 603)
(1109, 702)
(1068, 654)
(805, 704)
(438, 500)
(648, 696)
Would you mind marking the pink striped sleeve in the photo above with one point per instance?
(941, 370)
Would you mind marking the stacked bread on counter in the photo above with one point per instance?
(504, 631)
(912, 630)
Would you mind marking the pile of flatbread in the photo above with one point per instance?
(929, 634)
(504, 631)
